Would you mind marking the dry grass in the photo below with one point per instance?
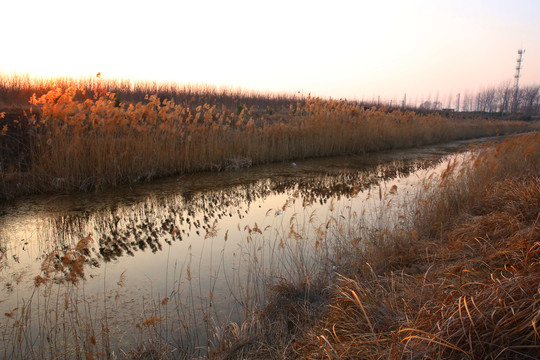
(291, 308)
(75, 144)
(459, 280)
(16, 89)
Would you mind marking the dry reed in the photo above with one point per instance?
(75, 144)
(463, 283)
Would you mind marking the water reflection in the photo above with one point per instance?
(157, 220)
(145, 230)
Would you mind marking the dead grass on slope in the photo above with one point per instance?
(463, 284)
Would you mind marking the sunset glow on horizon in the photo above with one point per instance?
(352, 49)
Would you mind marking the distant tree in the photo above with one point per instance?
(529, 100)
(478, 102)
(503, 97)
(490, 99)
(449, 103)
(494, 99)
(485, 100)
(426, 105)
(436, 104)
(467, 102)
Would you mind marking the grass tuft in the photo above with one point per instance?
(458, 279)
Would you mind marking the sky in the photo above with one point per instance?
(353, 49)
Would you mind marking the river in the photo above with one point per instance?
(171, 260)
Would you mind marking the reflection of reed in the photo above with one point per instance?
(148, 224)
(67, 264)
(291, 242)
(294, 251)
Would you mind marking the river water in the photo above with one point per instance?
(168, 261)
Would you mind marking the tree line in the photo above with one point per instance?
(501, 99)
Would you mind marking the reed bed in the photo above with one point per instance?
(63, 318)
(457, 279)
(67, 142)
(458, 274)
(16, 89)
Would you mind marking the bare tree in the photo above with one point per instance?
(502, 99)
(490, 100)
(425, 105)
(467, 100)
(529, 100)
(479, 102)
(504, 94)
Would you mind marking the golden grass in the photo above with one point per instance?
(16, 89)
(81, 145)
(458, 280)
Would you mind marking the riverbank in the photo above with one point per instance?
(164, 264)
(71, 145)
(458, 278)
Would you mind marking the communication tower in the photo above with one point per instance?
(516, 79)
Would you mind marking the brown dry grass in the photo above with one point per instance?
(77, 144)
(291, 309)
(463, 284)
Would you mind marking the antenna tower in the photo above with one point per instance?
(516, 79)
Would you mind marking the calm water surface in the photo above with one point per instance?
(170, 260)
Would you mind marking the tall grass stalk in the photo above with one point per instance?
(458, 278)
(344, 285)
(80, 145)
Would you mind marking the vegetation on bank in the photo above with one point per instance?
(69, 142)
(457, 278)
(425, 287)
(500, 101)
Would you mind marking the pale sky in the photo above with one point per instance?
(353, 49)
